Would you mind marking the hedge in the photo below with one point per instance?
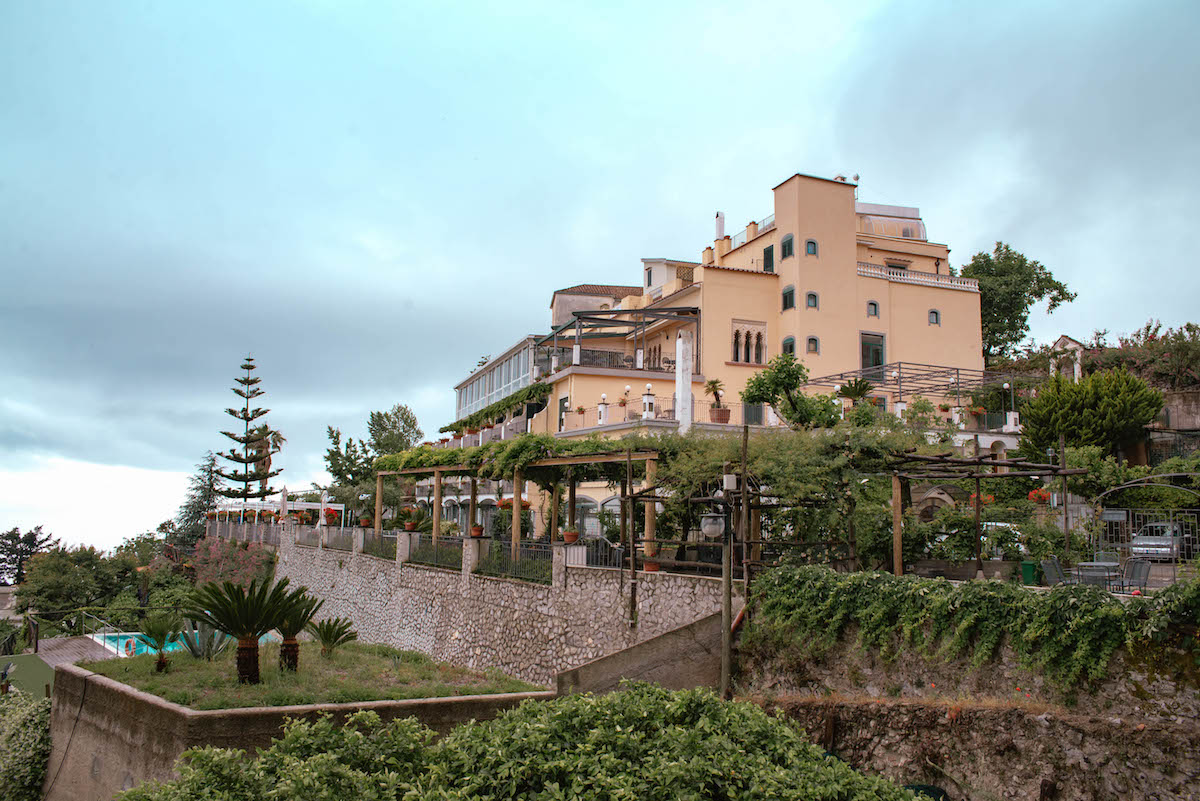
(24, 745)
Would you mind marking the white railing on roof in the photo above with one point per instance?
(766, 224)
(739, 239)
(869, 270)
(742, 237)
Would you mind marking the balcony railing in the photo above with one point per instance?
(608, 359)
(743, 236)
(868, 270)
(663, 408)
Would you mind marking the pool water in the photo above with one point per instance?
(119, 641)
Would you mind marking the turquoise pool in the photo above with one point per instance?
(126, 643)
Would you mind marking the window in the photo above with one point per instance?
(811, 301)
(813, 345)
(810, 247)
(737, 344)
(648, 273)
(747, 351)
(758, 348)
(787, 247)
(935, 317)
(872, 308)
(789, 298)
(789, 346)
(769, 259)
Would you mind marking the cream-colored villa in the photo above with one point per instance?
(852, 289)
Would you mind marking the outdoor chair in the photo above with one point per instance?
(1134, 577)
(1093, 576)
(1107, 556)
(1053, 571)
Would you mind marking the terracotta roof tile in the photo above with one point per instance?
(609, 290)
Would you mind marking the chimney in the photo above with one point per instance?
(751, 230)
(720, 225)
(707, 257)
(724, 245)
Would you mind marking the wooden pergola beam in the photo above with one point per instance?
(552, 461)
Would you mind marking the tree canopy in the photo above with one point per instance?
(203, 492)
(394, 430)
(1009, 285)
(779, 386)
(257, 442)
(16, 547)
(1107, 409)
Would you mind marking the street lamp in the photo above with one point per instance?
(712, 525)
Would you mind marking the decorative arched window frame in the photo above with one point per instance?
(737, 345)
(810, 247)
(789, 345)
(812, 345)
(787, 247)
(872, 308)
(789, 297)
(758, 348)
(812, 301)
(935, 317)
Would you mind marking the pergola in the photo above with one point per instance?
(623, 324)
(559, 466)
(904, 379)
(948, 467)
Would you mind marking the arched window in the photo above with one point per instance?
(737, 344)
(935, 317)
(787, 247)
(789, 346)
(789, 298)
(812, 301)
(747, 347)
(758, 348)
(872, 308)
(813, 345)
(810, 247)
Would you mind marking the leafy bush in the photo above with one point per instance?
(1069, 633)
(331, 633)
(642, 743)
(24, 745)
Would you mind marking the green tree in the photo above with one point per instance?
(16, 547)
(246, 613)
(350, 463)
(780, 386)
(1107, 409)
(253, 441)
(63, 579)
(203, 491)
(394, 430)
(1009, 285)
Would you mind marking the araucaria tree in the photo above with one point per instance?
(255, 440)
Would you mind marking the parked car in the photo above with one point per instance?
(1164, 541)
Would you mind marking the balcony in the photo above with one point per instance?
(868, 270)
(606, 359)
(742, 237)
(662, 409)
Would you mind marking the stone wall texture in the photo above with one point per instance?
(531, 631)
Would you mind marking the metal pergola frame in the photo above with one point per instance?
(906, 379)
(631, 322)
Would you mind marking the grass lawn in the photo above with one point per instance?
(31, 674)
(356, 672)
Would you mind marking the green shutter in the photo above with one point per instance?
(769, 259)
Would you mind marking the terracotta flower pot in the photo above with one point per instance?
(477, 531)
(719, 415)
(365, 522)
(570, 536)
(649, 566)
(410, 526)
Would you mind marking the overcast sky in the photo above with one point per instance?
(368, 197)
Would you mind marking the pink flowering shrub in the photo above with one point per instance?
(222, 560)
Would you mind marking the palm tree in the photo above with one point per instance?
(157, 632)
(332, 633)
(246, 613)
(856, 390)
(716, 388)
(264, 448)
(291, 624)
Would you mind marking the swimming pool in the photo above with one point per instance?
(126, 643)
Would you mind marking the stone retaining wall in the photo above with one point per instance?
(108, 737)
(524, 629)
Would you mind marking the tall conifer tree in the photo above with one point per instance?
(252, 442)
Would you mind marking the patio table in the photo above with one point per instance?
(1112, 570)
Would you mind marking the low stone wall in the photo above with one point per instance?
(988, 751)
(108, 737)
(524, 629)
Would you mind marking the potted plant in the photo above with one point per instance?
(716, 413)
(580, 410)
(210, 515)
(332, 517)
(570, 535)
(365, 521)
(472, 430)
(945, 407)
(650, 565)
(476, 531)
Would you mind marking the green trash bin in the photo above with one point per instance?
(1029, 573)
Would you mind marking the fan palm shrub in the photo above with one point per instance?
(203, 641)
(156, 633)
(246, 613)
(856, 390)
(331, 633)
(291, 624)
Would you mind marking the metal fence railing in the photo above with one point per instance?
(1168, 538)
(445, 551)
(381, 545)
(308, 535)
(602, 553)
(339, 539)
(530, 561)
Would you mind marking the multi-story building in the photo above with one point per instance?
(852, 289)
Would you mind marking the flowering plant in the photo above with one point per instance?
(984, 500)
(332, 515)
(945, 407)
(976, 410)
(506, 503)
(1040, 495)
(210, 515)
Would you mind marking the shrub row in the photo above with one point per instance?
(643, 743)
(1068, 634)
